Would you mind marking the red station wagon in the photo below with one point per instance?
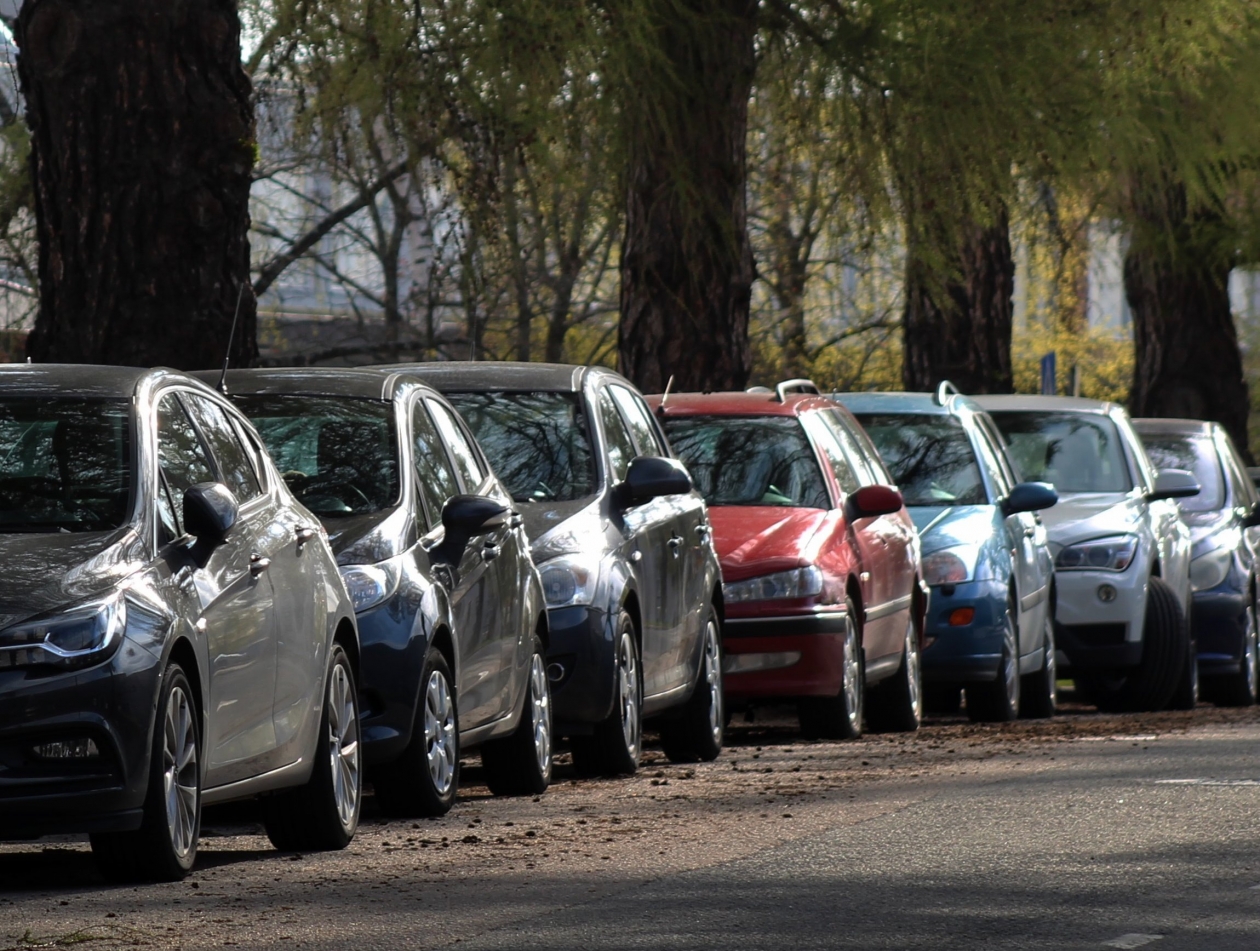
(818, 557)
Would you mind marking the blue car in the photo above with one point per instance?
(990, 629)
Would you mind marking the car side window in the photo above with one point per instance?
(997, 445)
(467, 464)
(617, 436)
(640, 421)
(1241, 489)
(182, 461)
(225, 444)
(829, 443)
(434, 476)
(991, 459)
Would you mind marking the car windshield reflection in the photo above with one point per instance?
(537, 442)
(749, 460)
(338, 455)
(65, 465)
(930, 457)
(1075, 452)
(1195, 454)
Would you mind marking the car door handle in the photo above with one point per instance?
(490, 551)
(258, 564)
(304, 534)
(516, 520)
(1030, 532)
(704, 531)
(675, 543)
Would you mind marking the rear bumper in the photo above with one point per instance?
(783, 658)
(965, 653)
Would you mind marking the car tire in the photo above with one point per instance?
(896, 706)
(323, 814)
(1186, 694)
(839, 717)
(617, 743)
(1240, 689)
(424, 780)
(942, 699)
(520, 764)
(1165, 646)
(164, 848)
(1039, 691)
(696, 736)
(997, 701)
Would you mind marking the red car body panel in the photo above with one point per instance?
(875, 561)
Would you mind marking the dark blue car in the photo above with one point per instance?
(990, 628)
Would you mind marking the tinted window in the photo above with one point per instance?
(640, 421)
(538, 442)
(620, 445)
(1076, 452)
(338, 455)
(65, 464)
(829, 443)
(181, 455)
(465, 456)
(234, 463)
(434, 474)
(930, 458)
(1195, 454)
(749, 460)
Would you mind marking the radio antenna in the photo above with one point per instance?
(665, 396)
(227, 357)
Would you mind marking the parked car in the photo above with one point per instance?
(174, 630)
(985, 555)
(623, 544)
(449, 606)
(1121, 549)
(820, 559)
(1223, 568)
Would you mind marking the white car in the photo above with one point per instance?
(1121, 549)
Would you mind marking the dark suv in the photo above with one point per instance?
(623, 544)
(173, 630)
(450, 609)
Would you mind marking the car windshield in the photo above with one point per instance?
(741, 460)
(1076, 452)
(1195, 454)
(338, 455)
(65, 465)
(930, 457)
(537, 442)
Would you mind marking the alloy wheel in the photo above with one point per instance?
(1052, 664)
(343, 745)
(439, 733)
(540, 713)
(713, 676)
(852, 674)
(913, 674)
(1250, 659)
(628, 694)
(180, 772)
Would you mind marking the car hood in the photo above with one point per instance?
(49, 572)
(547, 523)
(758, 539)
(947, 526)
(367, 539)
(1082, 515)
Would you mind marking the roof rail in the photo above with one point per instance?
(759, 389)
(796, 387)
(944, 392)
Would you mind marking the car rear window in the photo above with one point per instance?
(538, 442)
(742, 460)
(65, 464)
(339, 455)
(930, 457)
(1076, 452)
(1195, 454)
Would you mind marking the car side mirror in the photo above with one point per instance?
(464, 517)
(650, 477)
(1174, 484)
(1030, 497)
(871, 501)
(1252, 518)
(210, 511)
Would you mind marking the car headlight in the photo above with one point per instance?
(79, 637)
(1114, 553)
(797, 583)
(1209, 570)
(568, 580)
(944, 567)
(369, 585)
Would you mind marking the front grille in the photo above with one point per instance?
(1096, 635)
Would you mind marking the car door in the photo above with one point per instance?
(689, 530)
(280, 536)
(237, 616)
(482, 608)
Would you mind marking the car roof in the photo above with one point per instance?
(375, 383)
(69, 379)
(479, 376)
(924, 404)
(737, 404)
(1187, 427)
(1047, 404)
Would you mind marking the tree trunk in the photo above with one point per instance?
(686, 265)
(957, 318)
(1187, 364)
(142, 144)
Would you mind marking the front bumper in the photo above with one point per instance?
(1218, 618)
(783, 658)
(581, 664)
(967, 653)
(112, 704)
(1093, 634)
(392, 646)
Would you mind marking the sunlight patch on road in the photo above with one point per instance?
(1132, 940)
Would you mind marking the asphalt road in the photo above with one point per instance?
(1090, 832)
